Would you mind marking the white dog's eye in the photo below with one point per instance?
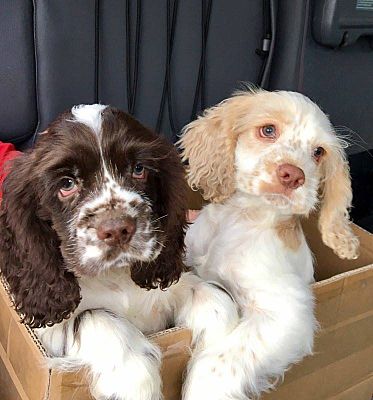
(318, 153)
(268, 131)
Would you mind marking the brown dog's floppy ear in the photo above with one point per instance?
(171, 208)
(209, 145)
(334, 222)
(170, 262)
(44, 292)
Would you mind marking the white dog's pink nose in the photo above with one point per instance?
(290, 176)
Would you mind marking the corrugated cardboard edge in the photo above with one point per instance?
(24, 334)
(17, 391)
(175, 345)
(28, 329)
(340, 277)
(362, 390)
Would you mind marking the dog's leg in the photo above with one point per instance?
(211, 314)
(122, 363)
(205, 308)
(276, 330)
(198, 238)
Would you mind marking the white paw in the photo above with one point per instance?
(215, 377)
(137, 379)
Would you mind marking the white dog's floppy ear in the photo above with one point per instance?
(334, 222)
(209, 145)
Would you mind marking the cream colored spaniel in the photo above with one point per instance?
(263, 160)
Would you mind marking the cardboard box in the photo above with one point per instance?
(24, 377)
(342, 365)
(341, 369)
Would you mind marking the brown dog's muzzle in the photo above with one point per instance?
(116, 232)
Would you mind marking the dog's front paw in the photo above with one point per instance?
(137, 379)
(214, 376)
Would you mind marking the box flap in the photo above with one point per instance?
(343, 354)
(69, 386)
(175, 345)
(361, 391)
(23, 350)
(10, 387)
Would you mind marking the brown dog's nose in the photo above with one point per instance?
(115, 232)
(290, 176)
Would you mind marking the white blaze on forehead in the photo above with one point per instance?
(90, 115)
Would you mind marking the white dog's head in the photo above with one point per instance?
(280, 147)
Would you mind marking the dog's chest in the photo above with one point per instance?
(243, 249)
(149, 310)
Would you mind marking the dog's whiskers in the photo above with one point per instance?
(163, 216)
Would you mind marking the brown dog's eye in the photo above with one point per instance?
(318, 153)
(268, 131)
(139, 172)
(68, 187)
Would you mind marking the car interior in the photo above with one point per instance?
(166, 60)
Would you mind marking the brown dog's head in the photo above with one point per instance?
(99, 191)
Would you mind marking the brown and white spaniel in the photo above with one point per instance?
(91, 220)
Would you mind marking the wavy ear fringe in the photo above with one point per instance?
(171, 207)
(44, 291)
(209, 145)
(334, 222)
